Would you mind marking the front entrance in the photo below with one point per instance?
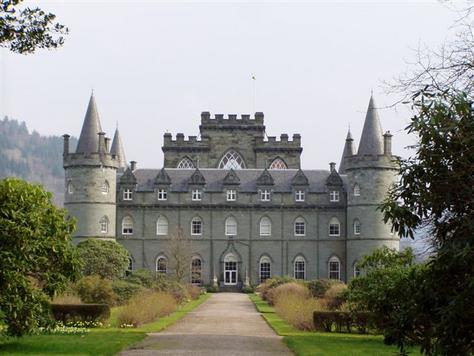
(230, 273)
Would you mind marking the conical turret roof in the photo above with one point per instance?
(348, 151)
(371, 141)
(117, 149)
(89, 139)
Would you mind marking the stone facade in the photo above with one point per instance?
(259, 213)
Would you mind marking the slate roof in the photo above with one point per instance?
(89, 139)
(371, 141)
(248, 179)
(117, 149)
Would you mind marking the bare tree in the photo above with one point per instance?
(180, 252)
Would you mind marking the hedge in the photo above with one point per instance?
(80, 312)
(339, 321)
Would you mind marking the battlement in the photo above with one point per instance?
(191, 143)
(245, 121)
(284, 144)
(91, 159)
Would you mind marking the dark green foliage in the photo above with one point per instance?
(125, 290)
(67, 313)
(37, 258)
(145, 278)
(212, 289)
(94, 289)
(107, 259)
(248, 289)
(23, 30)
(319, 287)
(342, 321)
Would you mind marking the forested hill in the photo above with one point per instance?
(32, 157)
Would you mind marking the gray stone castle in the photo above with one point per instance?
(242, 198)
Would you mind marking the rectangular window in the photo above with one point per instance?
(300, 228)
(299, 195)
(299, 270)
(231, 195)
(127, 194)
(196, 195)
(334, 270)
(162, 194)
(334, 230)
(104, 226)
(265, 195)
(334, 196)
(264, 271)
(196, 227)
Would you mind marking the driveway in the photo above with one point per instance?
(226, 324)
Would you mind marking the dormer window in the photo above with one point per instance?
(162, 194)
(334, 196)
(299, 195)
(127, 194)
(196, 195)
(231, 195)
(265, 195)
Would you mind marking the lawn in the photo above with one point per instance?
(101, 341)
(327, 344)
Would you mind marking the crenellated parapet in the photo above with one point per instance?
(190, 144)
(284, 144)
(232, 121)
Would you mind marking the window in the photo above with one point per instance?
(127, 226)
(130, 264)
(70, 188)
(357, 190)
(278, 163)
(104, 187)
(265, 195)
(196, 195)
(300, 227)
(356, 270)
(185, 163)
(196, 226)
(265, 226)
(162, 225)
(127, 194)
(300, 268)
(104, 225)
(161, 265)
(265, 269)
(230, 226)
(162, 194)
(334, 268)
(334, 227)
(232, 160)
(356, 227)
(231, 195)
(334, 196)
(299, 195)
(196, 271)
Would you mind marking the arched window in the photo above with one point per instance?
(230, 226)
(300, 227)
(334, 227)
(105, 187)
(265, 226)
(265, 269)
(196, 226)
(196, 270)
(232, 160)
(300, 268)
(70, 188)
(162, 225)
(161, 265)
(356, 270)
(186, 163)
(356, 190)
(334, 268)
(104, 225)
(127, 225)
(356, 227)
(278, 163)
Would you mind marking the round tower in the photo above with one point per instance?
(370, 174)
(90, 182)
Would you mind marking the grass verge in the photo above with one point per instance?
(101, 341)
(304, 343)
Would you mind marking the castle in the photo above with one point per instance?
(249, 209)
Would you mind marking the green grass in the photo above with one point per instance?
(103, 341)
(327, 344)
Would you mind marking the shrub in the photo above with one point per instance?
(94, 289)
(193, 291)
(146, 307)
(319, 287)
(271, 283)
(143, 277)
(179, 292)
(212, 289)
(284, 290)
(67, 298)
(248, 289)
(88, 313)
(297, 310)
(125, 290)
(336, 296)
(339, 321)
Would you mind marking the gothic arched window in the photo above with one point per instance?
(232, 160)
(357, 227)
(300, 268)
(186, 162)
(278, 163)
(196, 270)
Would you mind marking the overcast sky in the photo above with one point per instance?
(154, 66)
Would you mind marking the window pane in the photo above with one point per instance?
(264, 271)
(232, 160)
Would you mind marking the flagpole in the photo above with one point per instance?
(254, 79)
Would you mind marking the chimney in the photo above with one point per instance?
(133, 165)
(387, 143)
(101, 142)
(66, 144)
(107, 144)
(332, 166)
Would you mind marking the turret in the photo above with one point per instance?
(370, 173)
(118, 151)
(348, 152)
(91, 180)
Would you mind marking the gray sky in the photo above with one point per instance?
(156, 65)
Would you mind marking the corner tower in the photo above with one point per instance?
(370, 173)
(91, 180)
